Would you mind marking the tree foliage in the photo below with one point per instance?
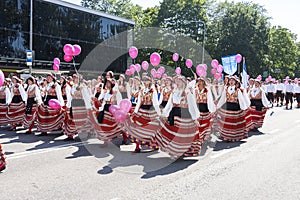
(239, 28)
(283, 51)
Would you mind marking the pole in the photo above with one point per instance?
(203, 45)
(30, 31)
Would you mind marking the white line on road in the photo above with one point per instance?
(46, 150)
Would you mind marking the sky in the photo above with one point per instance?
(285, 13)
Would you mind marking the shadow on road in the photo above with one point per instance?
(227, 145)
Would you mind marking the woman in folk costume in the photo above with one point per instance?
(206, 106)
(166, 91)
(104, 124)
(97, 92)
(123, 87)
(69, 127)
(232, 123)
(133, 92)
(34, 99)
(2, 159)
(4, 102)
(259, 105)
(50, 119)
(143, 123)
(16, 108)
(179, 121)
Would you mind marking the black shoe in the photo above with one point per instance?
(28, 132)
(43, 134)
(68, 139)
(123, 143)
(3, 168)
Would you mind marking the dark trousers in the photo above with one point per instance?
(289, 98)
(279, 96)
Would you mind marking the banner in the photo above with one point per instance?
(229, 64)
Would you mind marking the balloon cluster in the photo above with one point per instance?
(159, 73)
(217, 69)
(120, 113)
(70, 51)
(1, 78)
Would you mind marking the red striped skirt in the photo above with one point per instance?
(142, 126)
(178, 139)
(49, 119)
(29, 119)
(69, 127)
(249, 120)
(3, 115)
(108, 129)
(81, 119)
(15, 113)
(232, 125)
(258, 117)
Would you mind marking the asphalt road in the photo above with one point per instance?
(264, 166)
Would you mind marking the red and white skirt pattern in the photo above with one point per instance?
(232, 125)
(81, 119)
(108, 129)
(49, 119)
(258, 117)
(142, 126)
(15, 113)
(29, 119)
(3, 115)
(178, 139)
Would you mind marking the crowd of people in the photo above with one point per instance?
(174, 114)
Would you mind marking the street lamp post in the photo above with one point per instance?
(31, 31)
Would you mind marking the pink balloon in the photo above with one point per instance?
(220, 68)
(54, 104)
(120, 115)
(55, 67)
(238, 58)
(158, 75)
(213, 71)
(178, 70)
(296, 80)
(2, 78)
(125, 105)
(164, 76)
(56, 61)
(112, 109)
(189, 63)
(214, 63)
(204, 74)
(153, 72)
(128, 72)
(286, 82)
(132, 68)
(68, 58)
(161, 70)
(145, 65)
(133, 52)
(68, 49)
(138, 67)
(77, 50)
(175, 57)
(205, 66)
(200, 70)
(155, 59)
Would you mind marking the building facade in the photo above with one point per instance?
(55, 23)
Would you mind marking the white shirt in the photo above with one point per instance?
(271, 88)
(289, 88)
(297, 88)
(280, 87)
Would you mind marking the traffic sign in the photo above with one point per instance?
(29, 57)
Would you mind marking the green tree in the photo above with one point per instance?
(239, 28)
(284, 52)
